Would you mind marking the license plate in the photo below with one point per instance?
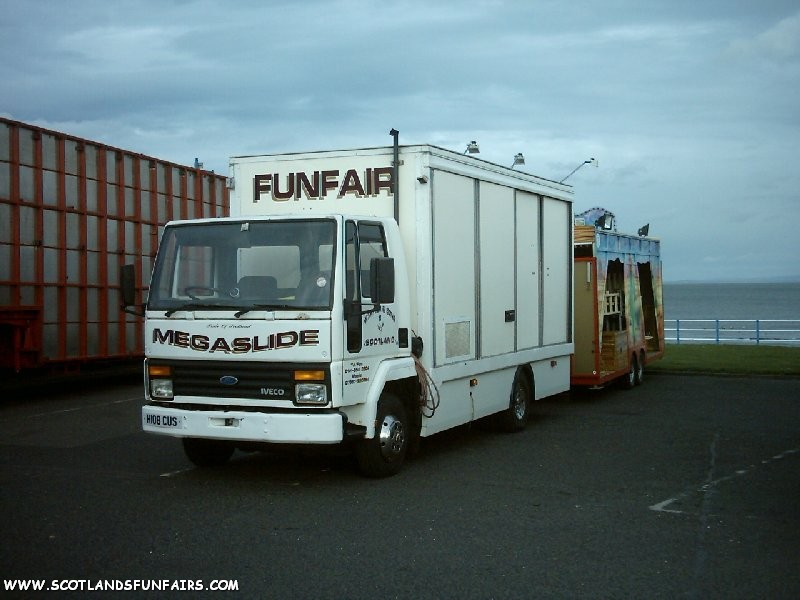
(162, 421)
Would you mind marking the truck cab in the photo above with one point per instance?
(268, 329)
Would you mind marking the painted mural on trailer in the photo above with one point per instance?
(629, 286)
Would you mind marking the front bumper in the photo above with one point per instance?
(304, 427)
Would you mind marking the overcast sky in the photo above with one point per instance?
(691, 107)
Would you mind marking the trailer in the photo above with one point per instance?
(72, 212)
(371, 296)
(619, 312)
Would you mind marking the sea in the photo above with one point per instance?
(731, 300)
(728, 312)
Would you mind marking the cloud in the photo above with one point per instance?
(779, 43)
(689, 107)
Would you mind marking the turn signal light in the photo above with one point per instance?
(309, 375)
(159, 371)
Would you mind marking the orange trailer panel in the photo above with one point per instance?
(72, 212)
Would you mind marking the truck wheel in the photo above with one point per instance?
(207, 453)
(383, 455)
(515, 417)
(639, 375)
(629, 380)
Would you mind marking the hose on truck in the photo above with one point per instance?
(429, 393)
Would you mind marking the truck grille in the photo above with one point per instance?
(249, 380)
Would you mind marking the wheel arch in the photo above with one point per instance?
(395, 376)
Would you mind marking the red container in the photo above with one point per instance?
(72, 212)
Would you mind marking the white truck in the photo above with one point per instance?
(370, 296)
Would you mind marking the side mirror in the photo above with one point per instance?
(127, 284)
(381, 277)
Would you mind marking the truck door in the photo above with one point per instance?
(370, 330)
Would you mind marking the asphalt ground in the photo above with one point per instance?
(688, 486)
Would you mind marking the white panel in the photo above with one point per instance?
(551, 376)
(50, 340)
(190, 184)
(90, 153)
(130, 202)
(527, 271)
(111, 199)
(454, 263)
(557, 271)
(127, 163)
(455, 407)
(5, 268)
(73, 230)
(5, 181)
(493, 392)
(26, 147)
(71, 157)
(91, 195)
(111, 166)
(50, 187)
(73, 311)
(49, 152)
(26, 189)
(73, 266)
(51, 256)
(27, 225)
(5, 224)
(496, 209)
(144, 173)
(27, 260)
(71, 191)
(92, 269)
(5, 142)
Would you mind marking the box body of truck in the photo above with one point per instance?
(481, 276)
(619, 313)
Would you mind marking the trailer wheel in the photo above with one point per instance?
(515, 417)
(207, 453)
(383, 455)
(629, 380)
(639, 376)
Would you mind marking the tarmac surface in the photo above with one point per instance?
(687, 486)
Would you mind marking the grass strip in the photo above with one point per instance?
(729, 358)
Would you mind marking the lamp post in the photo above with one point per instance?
(586, 162)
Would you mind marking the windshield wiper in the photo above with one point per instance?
(253, 307)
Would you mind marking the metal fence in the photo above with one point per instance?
(776, 332)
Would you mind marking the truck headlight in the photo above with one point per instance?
(161, 389)
(311, 393)
(160, 377)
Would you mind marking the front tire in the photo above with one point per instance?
(207, 453)
(383, 455)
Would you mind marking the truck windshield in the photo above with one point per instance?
(244, 266)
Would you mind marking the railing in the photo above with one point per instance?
(776, 332)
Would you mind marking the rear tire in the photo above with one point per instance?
(515, 417)
(383, 455)
(207, 453)
(629, 380)
(639, 376)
